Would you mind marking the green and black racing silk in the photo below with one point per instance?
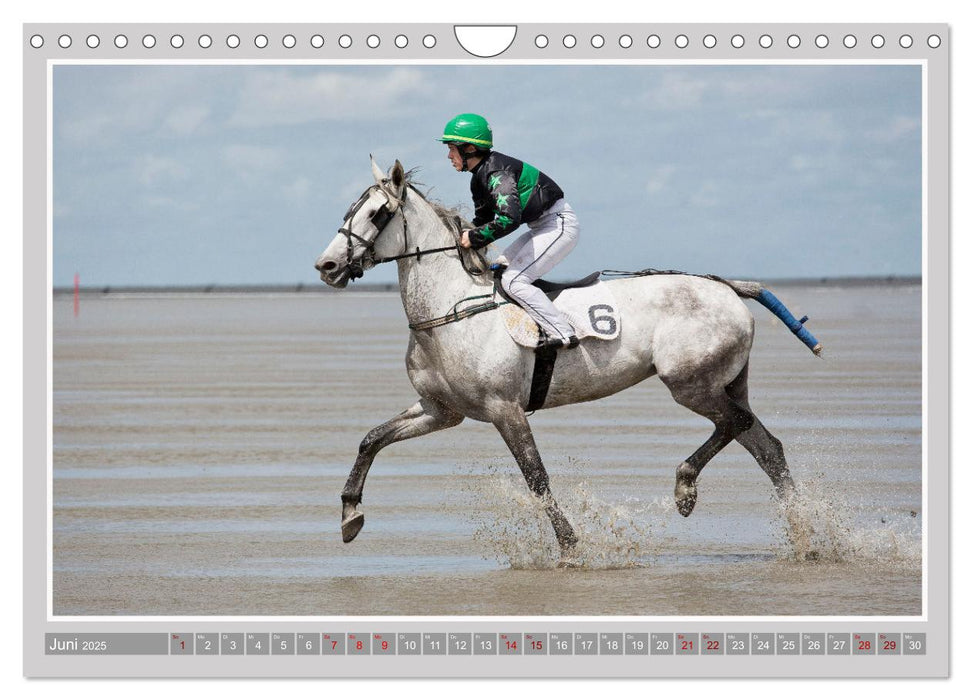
(507, 192)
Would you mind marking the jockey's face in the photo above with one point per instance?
(454, 157)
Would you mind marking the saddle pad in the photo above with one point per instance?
(591, 311)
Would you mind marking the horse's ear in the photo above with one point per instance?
(378, 175)
(398, 178)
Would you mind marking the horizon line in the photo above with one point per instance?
(321, 288)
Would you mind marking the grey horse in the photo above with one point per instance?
(694, 333)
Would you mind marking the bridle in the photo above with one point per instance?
(381, 218)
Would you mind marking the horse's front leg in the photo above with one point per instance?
(424, 417)
(515, 430)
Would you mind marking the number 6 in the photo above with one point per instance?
(606, 318)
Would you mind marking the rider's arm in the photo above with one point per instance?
(503, 199)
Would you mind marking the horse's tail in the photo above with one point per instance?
(745, 289)
(755, 290)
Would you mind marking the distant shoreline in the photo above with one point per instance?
(321, 288)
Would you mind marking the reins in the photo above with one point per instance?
(650, 271)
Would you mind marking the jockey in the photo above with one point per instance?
(508, 192)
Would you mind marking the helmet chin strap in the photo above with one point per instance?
(466, 156)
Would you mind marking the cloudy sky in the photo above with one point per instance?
(240, 173)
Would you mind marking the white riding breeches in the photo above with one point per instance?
(550, 238)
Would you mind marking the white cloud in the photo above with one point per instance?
(811, 162)
(116, 102)
(351, 190)
(298, 190)
(170, 204)
(277, 98)
(688, 89)
(677, 91)
(154, 170)
(784, 129)
(85, 128)
(247, 158)
(185, 120)
(894, 130)
(811, 169)
(706, 196)
(755, 85)
(659, 179)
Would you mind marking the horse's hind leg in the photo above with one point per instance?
(518, 436)
(767, 450)
(760, 443)
(730, 420)
(424, 417)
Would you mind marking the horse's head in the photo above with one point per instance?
(359, 240)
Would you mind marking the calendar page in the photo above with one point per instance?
(271, 409)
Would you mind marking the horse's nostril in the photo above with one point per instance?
(327, 266)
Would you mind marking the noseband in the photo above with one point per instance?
(381, 218)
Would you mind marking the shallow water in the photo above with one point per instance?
(201, 443)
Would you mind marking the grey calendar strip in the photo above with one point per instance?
(489, 644)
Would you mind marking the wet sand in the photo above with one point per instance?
(201, 443)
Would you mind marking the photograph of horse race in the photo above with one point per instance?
(636, 340)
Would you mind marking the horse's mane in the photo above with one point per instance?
(454, 222)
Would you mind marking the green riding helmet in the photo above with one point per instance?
(468, 128)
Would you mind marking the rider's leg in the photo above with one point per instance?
(534, 254)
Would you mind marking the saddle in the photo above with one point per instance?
(550, 289)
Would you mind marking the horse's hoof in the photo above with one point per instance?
(568, 563)
(685, 497)
(352, 525)
(686, 505)
(685, 491)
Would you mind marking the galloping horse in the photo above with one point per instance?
(694, 333)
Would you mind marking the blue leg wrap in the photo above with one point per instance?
(769, 301)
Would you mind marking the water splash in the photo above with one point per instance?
(513, 527)
(819, 524)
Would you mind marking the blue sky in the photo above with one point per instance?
(240, 173)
